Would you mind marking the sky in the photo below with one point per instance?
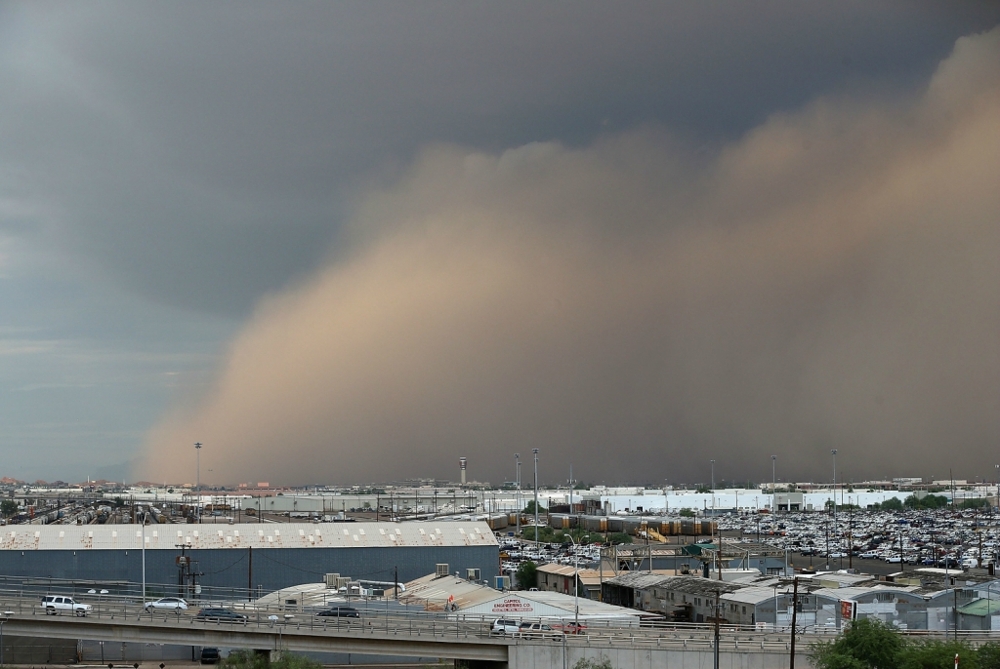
(352, 242)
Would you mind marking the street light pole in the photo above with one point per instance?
(517, 483)
(713, 487)
(836, 529)
(576, 585)
(774, 499)
(535, 451)
(197, 485)
(143, 561)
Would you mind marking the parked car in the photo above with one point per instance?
(504, 626)
(210, 656)
(56, 604)
(221, 615)
(340, 612)
(169, 603)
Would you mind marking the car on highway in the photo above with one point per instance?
(538, 631)
(168, 603)
(220, 615)
(56, 604)
(340, 612)
(504, 626)
(571, 628)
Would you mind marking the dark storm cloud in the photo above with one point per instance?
(639, 305)
(203, 156)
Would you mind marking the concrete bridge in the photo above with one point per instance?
(469, 641)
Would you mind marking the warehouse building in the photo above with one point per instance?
(224, 561)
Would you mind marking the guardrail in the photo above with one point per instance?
(387, 623)
(122, 601)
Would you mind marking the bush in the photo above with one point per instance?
(587, 663)
(871, 644)
(526, 575)
(933, 654)
(865, 644)
(247, 659)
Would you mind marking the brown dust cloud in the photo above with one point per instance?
(639, 306)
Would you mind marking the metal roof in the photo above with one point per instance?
(980, 607)
(857, 592)
(587, 576)
(437, 593)
(638, 580)
(754, 594)
(699, 585)
(838, 579)
(246, 535)
(589, 608)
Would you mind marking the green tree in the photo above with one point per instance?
(530, 508)
(687, 513)
(247, 659)
(526, 575)
(891, 504)
(588, 663)
(865, 644)
(619, 538)
(988, 655)
(934, 654)
(8, 508)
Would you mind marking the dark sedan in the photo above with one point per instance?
(340, 612)
(221, 615)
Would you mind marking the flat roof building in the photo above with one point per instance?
(261, 557)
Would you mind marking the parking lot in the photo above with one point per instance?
(875, 541)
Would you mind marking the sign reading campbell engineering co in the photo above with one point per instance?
(512, 605)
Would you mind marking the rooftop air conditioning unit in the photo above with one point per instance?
(332, 580)
(441, 569)
(472, 574)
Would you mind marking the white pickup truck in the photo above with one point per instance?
(55, 604)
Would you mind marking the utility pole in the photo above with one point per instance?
(850, 535)
(517, 481)
(535, 451)
(197, 505)
(836, 529)
(795, 610)
(774, 507)
(715, 646)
